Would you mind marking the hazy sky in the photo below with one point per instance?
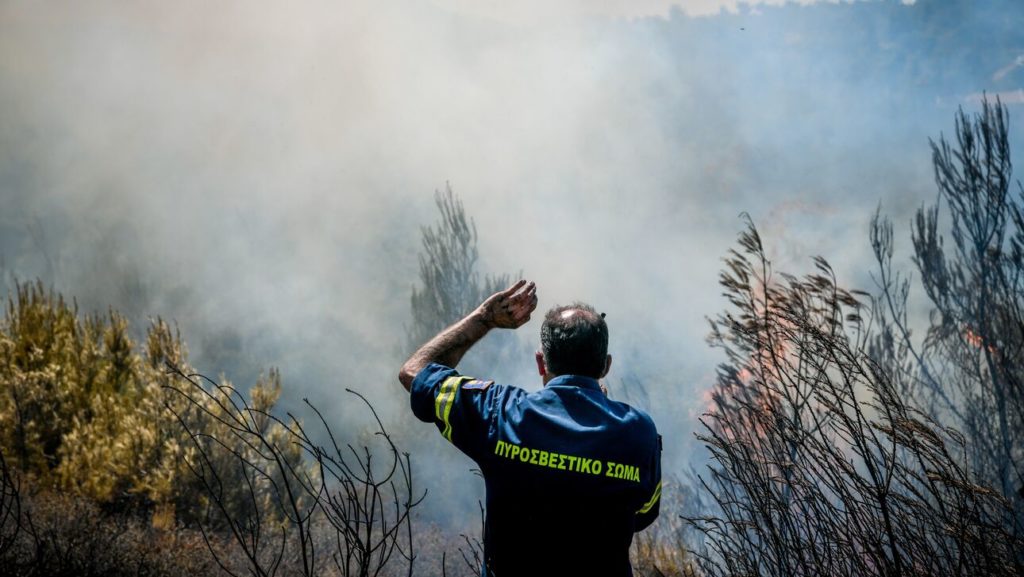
(259, 172)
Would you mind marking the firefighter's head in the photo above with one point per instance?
(573, 341)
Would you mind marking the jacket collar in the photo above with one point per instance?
(575, 381)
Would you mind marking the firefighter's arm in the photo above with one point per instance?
(649, 511)
(508, 309)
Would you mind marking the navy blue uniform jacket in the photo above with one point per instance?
(570, 474)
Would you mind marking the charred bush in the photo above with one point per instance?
(55, 534)
(819, 463)
(311, 508)
(968, 249)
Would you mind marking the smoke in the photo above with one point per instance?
(260, 173)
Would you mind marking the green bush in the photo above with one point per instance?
(82, 410)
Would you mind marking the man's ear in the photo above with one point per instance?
(607, 366)
(541, 368)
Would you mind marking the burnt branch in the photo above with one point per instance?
(820, 465)
(289, 503)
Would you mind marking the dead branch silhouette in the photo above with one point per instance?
(819, 465)
(332, 507)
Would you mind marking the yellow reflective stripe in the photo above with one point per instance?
(444, 401)
(654, 499)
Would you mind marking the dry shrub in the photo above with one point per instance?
(59, 534)
(332, 508)
(819, 465)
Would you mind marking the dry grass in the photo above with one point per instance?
(57, 534)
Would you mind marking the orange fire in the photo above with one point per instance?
(977, 341)
(973, 338)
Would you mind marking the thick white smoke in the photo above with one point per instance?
(260, 172)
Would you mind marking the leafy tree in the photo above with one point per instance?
(451, 283)
(82, 411)
(451, 286)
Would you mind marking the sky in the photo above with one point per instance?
(260, 172)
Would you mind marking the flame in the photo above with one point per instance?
(770, 364)
(977, 341)
(973, 338)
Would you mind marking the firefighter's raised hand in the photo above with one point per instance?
(510, 308)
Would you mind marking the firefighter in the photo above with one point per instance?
(570, 474)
